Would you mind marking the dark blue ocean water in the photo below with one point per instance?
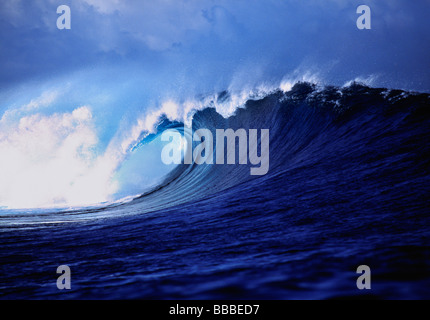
(348, 185)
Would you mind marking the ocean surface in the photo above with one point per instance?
(348, 185)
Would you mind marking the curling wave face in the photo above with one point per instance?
(309, 126)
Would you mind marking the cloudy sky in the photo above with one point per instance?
(72, 102)
(223, 39)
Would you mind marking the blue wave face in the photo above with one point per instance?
(308, 125)
(347, 185)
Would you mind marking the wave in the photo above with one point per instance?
(308, 124)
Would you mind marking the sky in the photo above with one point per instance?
(219, 39)
(72, 102)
